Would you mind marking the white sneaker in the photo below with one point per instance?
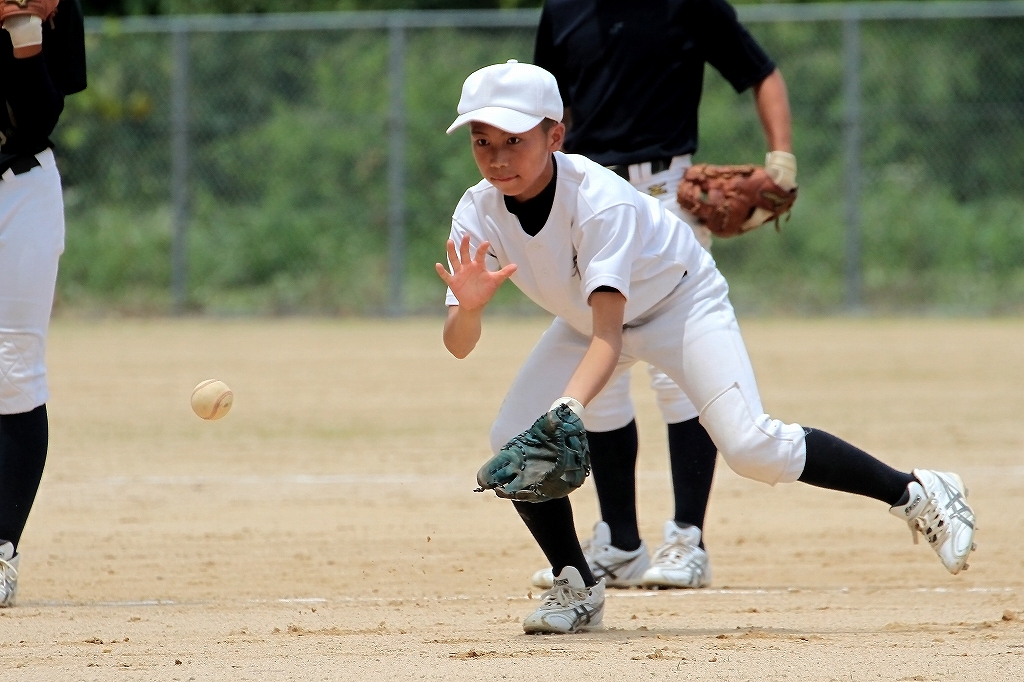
(680, 562)
(937, 509)
(618, 567)
(569, 606)
(8, 574)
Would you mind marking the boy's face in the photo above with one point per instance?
(519, 165)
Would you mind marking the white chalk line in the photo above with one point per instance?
(1003, 472)
(612, 594)
(288, 479)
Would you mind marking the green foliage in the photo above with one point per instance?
(942, 190)
(289, 175)
(115, 254)
(108, 133)
(296, 204)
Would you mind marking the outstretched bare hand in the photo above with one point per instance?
(470, 281)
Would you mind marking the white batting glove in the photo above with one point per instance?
(26, 30)
(781, 166)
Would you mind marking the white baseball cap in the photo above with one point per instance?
(512, 96)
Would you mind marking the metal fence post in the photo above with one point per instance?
(851, 144)
(179, 165)
(396, 164)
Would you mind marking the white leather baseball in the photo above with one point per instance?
(212, 399)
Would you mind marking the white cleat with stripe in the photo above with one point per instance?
(8, 574)
(569, 606)
(938, 509)
(618, 567)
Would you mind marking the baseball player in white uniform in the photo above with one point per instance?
(39, 65)
(627, 282)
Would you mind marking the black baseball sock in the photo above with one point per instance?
(613, 463)
(23, 440)
(552, 527)
(693, 457)
(835, 464)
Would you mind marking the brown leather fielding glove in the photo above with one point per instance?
(723, 198)
(44, 9)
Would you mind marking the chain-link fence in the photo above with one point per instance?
(298, 163)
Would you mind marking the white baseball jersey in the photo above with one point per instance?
(601, 232)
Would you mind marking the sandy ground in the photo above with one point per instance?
(326, 528)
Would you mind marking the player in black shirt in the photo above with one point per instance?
(40, 63)
(630, 76)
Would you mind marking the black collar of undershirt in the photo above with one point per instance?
(533, 213)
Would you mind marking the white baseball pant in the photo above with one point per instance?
(31, 242)
(613, 408)
(693, 337)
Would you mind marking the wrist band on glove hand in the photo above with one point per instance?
(26, 30)
(573, 404)
(781, 166)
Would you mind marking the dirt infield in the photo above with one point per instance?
(326, 528)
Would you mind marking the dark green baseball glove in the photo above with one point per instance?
(547, 461)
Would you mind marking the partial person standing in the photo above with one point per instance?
(41, 62)
(630, 75)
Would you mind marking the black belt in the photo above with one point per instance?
(19, 164)
(657, 166)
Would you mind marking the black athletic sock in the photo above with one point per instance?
(693, 457)
(552, 527)
(613, 463)
(835, 464)
(23, 440)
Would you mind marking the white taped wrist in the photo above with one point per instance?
(26, 30)
(573, 404)
(781, 166)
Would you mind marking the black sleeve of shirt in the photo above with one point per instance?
(548, 57)
(64, 47)
(34, 88)
(728, 46)
(32, 97)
